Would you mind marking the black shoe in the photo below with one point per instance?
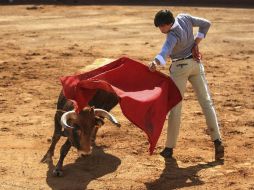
(167, 153)
(219, 149)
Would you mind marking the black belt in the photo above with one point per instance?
(189, 57)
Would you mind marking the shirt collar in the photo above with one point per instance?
(175, 24)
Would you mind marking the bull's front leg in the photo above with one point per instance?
(56, 136)
(63, 152)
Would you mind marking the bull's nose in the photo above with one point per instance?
(84, 153)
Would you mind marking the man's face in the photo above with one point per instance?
(165, 28)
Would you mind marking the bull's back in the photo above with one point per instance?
(102, 99)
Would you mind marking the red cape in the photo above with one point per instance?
(145, 97)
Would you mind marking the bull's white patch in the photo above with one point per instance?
(84, 153)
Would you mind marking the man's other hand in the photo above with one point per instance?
(195, 53)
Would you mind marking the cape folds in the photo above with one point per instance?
(145, 97)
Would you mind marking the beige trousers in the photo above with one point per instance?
(181, 72)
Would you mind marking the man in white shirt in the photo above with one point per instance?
(182, 47)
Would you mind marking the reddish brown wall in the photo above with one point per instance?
(224, 3)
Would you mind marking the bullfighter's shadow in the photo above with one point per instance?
(79, 174)
(174, 177)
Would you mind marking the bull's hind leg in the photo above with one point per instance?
(64, 151)
(55, 138)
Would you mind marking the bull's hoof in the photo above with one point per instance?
(57, 172)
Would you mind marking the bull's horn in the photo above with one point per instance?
(65, 118)
(103, 113)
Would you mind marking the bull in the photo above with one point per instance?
(80, 129)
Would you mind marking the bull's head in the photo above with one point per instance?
(80, 127)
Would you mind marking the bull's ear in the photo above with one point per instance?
(99, 121)
(73, 119)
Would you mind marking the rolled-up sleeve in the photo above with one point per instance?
(202, 23)
(167, 49)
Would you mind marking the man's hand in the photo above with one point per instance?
(195, 53)
(152, 66)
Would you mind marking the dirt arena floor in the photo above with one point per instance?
(39, 44)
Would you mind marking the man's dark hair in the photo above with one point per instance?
(163, 17)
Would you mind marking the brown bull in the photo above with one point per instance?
(80, 129)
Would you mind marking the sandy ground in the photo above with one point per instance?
(40, 44)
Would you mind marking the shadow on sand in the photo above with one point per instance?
(174, 177)
(79, 174)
